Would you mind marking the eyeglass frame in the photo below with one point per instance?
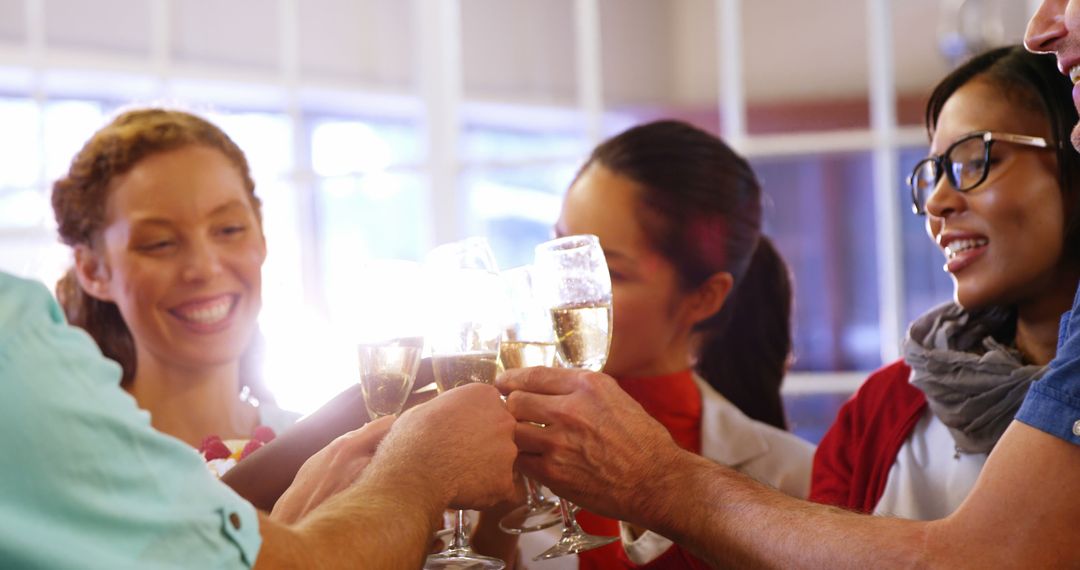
(988, 138)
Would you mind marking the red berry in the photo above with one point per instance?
(250, 447)
(213, 448)
(263, 434)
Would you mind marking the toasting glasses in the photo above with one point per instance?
(391, 336)
(528, 340)
(572, 281)
(465, 331)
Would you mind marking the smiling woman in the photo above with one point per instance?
(999, 193)
(160, 210)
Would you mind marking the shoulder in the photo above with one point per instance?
(885, 399)
(887, 382)
(887, 388)
(770, 455)
(63, 416)
(24, 302)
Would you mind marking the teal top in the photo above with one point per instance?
(86, 482)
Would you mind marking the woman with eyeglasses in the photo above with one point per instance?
(999, 193)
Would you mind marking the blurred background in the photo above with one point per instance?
(379, 128)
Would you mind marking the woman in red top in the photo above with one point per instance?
(999, 193)
(701, 308)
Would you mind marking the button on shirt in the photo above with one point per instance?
(87, 483)
(1053, 402)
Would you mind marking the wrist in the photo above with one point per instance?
(666, 498)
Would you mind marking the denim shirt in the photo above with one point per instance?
(86, 481)
(1053, 402)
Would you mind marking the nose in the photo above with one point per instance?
(202, 261)
(944, 200)
(1046, 27)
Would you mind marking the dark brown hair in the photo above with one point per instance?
(79, 201)
(702, 212)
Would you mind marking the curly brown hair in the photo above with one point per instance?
(79, 202)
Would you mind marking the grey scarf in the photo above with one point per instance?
(973, 383)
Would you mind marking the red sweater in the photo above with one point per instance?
(853, 460)
(674, 400)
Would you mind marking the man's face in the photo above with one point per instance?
(1055, 28)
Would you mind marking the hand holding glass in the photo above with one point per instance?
(527, 341)
(572, 280)
(464, 334)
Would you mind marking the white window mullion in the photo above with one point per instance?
(589, 68)
(890, 259)
(302, 178)
(161, 43)
(732, 82)
(437, 41)
(35, 51)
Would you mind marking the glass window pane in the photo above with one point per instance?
(346, 147)
(20, 144)
(24, 208)
(820, 212)
(265, 138)
(35, 257)
(486, 143)
(380, 216)
(516, 207)
(282, 282)
(926, 284)
(810, 415)
(68, 125)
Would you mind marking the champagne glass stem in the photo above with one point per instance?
(461, 536)
(532, 493)
(570, 524)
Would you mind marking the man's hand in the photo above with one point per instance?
(331, 470)
(461, 442)
(598, 447)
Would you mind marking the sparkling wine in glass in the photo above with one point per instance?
(528, 341)
(466, 314)
(385, 321)
(573, 282)
(387, 372)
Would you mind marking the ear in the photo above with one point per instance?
(709, 297)
(93, 273)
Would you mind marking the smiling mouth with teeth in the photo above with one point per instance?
(208, 313)
(959, 246)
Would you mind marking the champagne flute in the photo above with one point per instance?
(391, 341)
(574, 283)
(528, 340)
(464, 334)
(387, 372)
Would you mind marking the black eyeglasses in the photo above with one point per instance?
(966, 163)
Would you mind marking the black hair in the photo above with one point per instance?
(702, 212)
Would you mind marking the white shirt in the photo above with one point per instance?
(929, 479)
